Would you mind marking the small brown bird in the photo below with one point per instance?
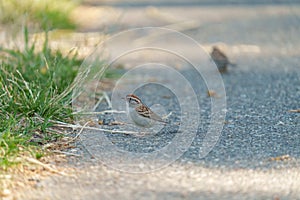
(141, 114)
(220, 59)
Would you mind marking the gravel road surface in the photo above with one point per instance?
(258, 153)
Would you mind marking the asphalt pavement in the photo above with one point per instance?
(257, 155)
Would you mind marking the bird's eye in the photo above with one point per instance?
(132, 101)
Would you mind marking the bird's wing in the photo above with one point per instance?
(147, 112)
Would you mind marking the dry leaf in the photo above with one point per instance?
(280, 158)
(211, 93)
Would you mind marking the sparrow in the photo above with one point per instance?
(220, 59)
(139, 113)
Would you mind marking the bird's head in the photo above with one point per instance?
(132, 100)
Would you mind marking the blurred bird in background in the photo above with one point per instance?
(220, 59)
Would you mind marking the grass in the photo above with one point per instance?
(34, 89)
(48, 14)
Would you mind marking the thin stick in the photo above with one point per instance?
(66, 153)
(97, 129)
(55, 131)
(167, 116)
(57, 122)
(35, 161)
(99, 101)
(107, 99)
(103, 112)
(63, 124)
(295, 111)
(78, 133)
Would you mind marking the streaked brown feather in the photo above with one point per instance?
(146, 112)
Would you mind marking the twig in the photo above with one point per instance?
(35, 161)
(102, 112)
(97, 129)
(107, 99)
(77, 135)
(99, 101)
(55, 131)
(295, 111)
(66, 125)
(66, 153)
(57, 122)
(167, 116)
